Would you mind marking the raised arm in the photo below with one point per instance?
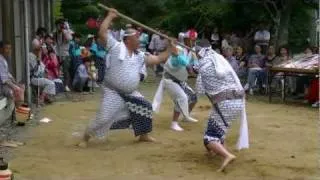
(162, 57)
(103, 35)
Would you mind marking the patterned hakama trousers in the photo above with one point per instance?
(220, 118)
(120, 112)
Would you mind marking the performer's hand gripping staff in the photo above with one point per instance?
(151, 59)
(116, 14)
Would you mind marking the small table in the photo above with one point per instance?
(287, 72)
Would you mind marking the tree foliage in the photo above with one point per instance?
(227, 15)
(57, 10)
(78, 12)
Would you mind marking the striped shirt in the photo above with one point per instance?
(4, 70)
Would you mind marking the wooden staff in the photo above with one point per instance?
(144, 26)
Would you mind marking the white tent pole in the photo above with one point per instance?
(26, 26)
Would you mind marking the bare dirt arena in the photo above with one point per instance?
(283, 139)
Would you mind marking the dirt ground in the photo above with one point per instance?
(283, 146)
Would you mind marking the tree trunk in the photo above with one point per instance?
(275, 35)
(313, 30)
(283, 35)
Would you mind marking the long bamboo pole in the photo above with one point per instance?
(144, 26)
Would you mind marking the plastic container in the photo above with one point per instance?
(22, 114)
(5, 173)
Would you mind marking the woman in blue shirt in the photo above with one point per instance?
(99, 53)
(75, 53)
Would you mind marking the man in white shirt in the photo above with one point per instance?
(8, 85)
(215, 38)
(63, 37)
(262, 38)
(122, 105)
(157, 45)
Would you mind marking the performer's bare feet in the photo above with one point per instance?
(190, 119)
(83, 144)
(85, 140)
(146, 138)
(227, 160)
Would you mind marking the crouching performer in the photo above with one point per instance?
(122, 105)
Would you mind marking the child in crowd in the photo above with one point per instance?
(83, 75)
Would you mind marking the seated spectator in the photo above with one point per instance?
(93, 73)
(241, 57)
(316, 50)
(228, 54)
(40, 35)
(8, 86)
(52, 67)
(82, 76)
(234, 40)
(311, 89)
(303, 82)
(313, 93)
(256, 71)
(271, 56)
(50, 60)
(308, 52)
(283, 58)
(38, 76)
(49, 41)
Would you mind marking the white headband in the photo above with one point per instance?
(203, 51)
(130, 34)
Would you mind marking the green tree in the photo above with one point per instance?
(145, 11)
(78, 12)
(289, 19)
(57, 10)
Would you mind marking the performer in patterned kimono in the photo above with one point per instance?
(176, 72)
(122, 105)
(218, 81)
